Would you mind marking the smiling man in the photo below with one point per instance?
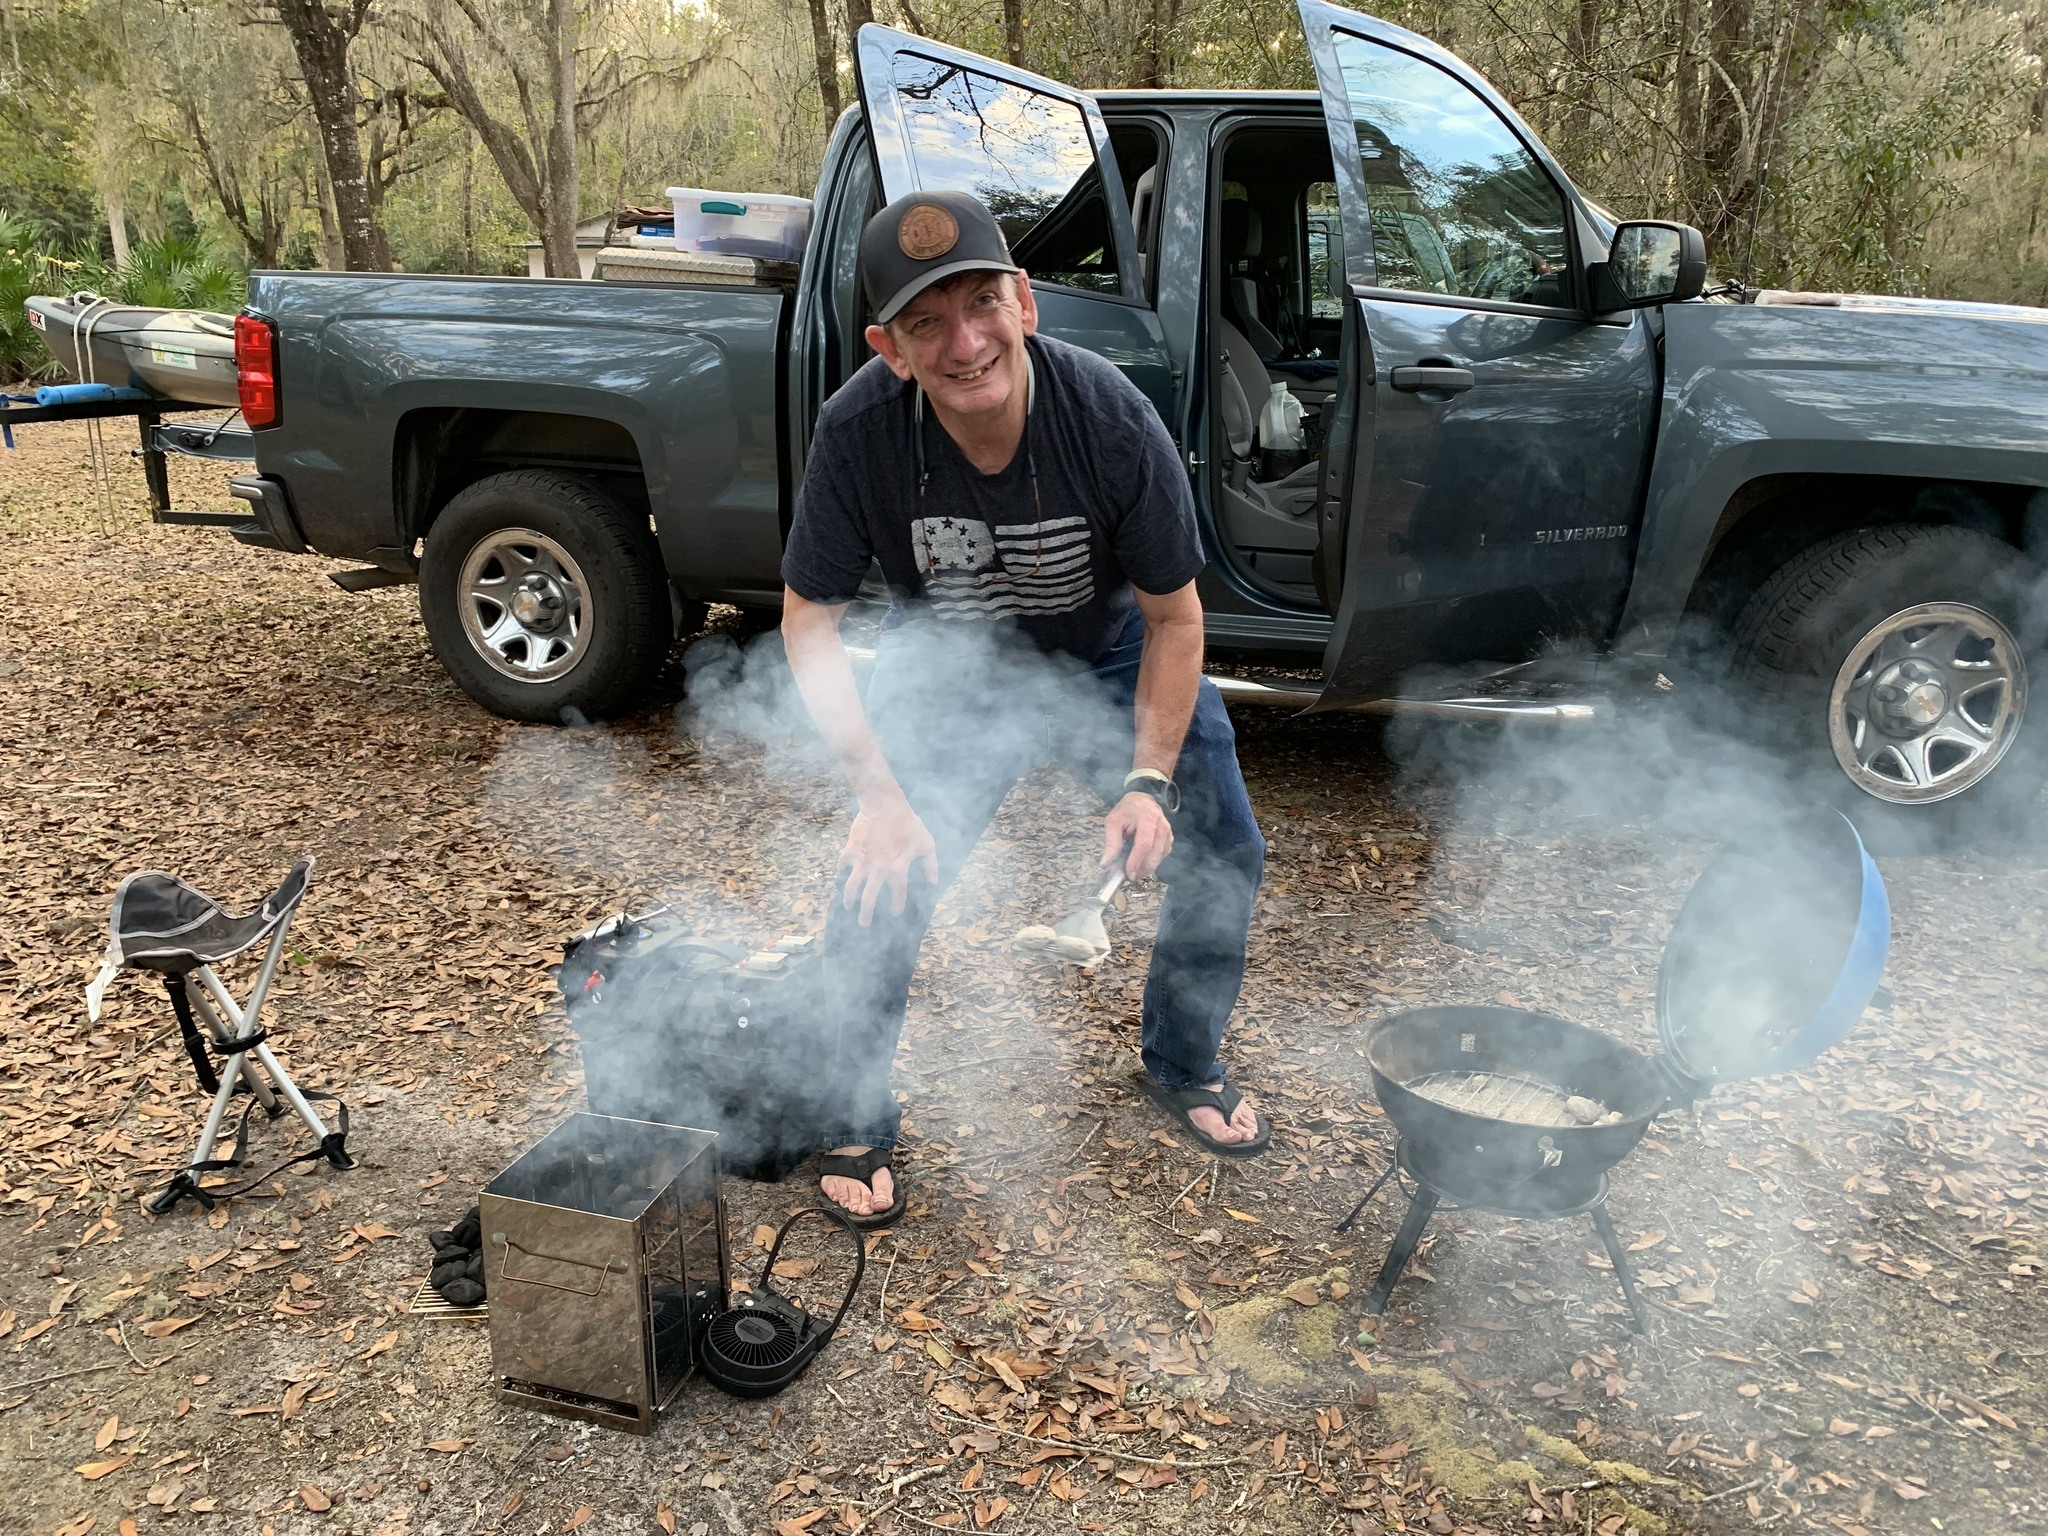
(1023, 501)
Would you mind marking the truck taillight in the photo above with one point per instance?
(256, 370)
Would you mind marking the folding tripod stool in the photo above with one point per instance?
(161, 924)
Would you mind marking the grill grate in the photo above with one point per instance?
(1505, 1096)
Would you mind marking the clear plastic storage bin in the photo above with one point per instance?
(762, 225)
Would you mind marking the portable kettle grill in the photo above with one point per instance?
(762, 1345)
(1773, 958)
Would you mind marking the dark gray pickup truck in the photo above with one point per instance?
(1541, 469)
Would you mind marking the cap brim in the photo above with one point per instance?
(924, 280)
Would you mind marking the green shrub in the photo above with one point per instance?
(170, 272)
(24, 269)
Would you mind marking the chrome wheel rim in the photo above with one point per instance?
(1927, 703)
(525, 606)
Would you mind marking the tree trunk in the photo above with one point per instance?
(1013, 30)
(330, 227)
(117, 222)
(468, 206)
(1726, 130)
(828, 60)
(1585, 47)
(561, 180)
(322, 45)
(1155, 32)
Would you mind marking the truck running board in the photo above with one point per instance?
(1239, 690)
(367, 579)
(184, 519)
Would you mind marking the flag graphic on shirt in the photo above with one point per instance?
(975, 572)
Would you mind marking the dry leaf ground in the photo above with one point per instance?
(1085, 1326)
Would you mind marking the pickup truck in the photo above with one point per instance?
(1544, 468)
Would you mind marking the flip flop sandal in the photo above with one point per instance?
(833, 1165)
(1178, 1101)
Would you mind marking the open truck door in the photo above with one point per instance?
(1481, 485)
(1037, 153)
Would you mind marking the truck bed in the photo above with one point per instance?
(395, 381)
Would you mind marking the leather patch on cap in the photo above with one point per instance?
(927, 231)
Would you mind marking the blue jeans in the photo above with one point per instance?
(956, 752)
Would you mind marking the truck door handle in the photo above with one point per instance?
(1433, 376)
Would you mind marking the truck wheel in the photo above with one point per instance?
(1897, 662)
(544, 598)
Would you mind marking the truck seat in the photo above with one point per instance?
(1241, 245)
(1272, 523)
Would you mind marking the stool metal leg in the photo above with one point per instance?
(217, 1115)
(245, 1024)
(229, 1024)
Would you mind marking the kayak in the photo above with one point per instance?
(175, 354)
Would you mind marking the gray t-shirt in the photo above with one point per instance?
(1053, 553)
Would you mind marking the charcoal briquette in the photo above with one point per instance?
(462, 1293)
(442, 1275)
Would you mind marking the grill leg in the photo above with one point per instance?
(1420, 1209)
(1618, 1256)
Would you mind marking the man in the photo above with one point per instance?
(1035, 527)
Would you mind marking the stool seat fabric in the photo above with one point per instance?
(159, 923)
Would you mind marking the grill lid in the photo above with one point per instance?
(1775, 955)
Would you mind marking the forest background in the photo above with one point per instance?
(160, 148)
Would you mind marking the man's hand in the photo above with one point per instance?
(881, 850)
(1137, 822)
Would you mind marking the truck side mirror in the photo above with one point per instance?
(1650, 262)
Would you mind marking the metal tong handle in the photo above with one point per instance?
(1112, 882)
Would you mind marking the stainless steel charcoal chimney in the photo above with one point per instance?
(605, 1249)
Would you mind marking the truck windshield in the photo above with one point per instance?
(1027, 155)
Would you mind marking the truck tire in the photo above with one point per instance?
(545, 599)
(1904, 669)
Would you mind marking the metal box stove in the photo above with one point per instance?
(605, 1248)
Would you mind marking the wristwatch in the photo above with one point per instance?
(1150, 781)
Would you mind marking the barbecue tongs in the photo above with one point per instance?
(1081, 937)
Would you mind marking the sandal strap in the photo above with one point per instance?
(1223, 1100)
(835, 1165)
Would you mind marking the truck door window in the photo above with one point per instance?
(1325, 251)
(1027, 155)
(1458, 205)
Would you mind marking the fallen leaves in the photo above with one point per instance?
(93, 1471)
(164, 1327)
(447, 1447)
(384, 1342)
(315, 1499)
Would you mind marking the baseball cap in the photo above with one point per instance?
(924, 238)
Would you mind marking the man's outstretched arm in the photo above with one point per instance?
(887, 840)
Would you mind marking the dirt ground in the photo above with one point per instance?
(1081, 1325)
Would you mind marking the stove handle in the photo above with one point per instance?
(505, 1269)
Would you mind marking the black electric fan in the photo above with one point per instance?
(760, 1346)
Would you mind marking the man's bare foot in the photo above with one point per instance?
(1243, 1125)
(856, 1198)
